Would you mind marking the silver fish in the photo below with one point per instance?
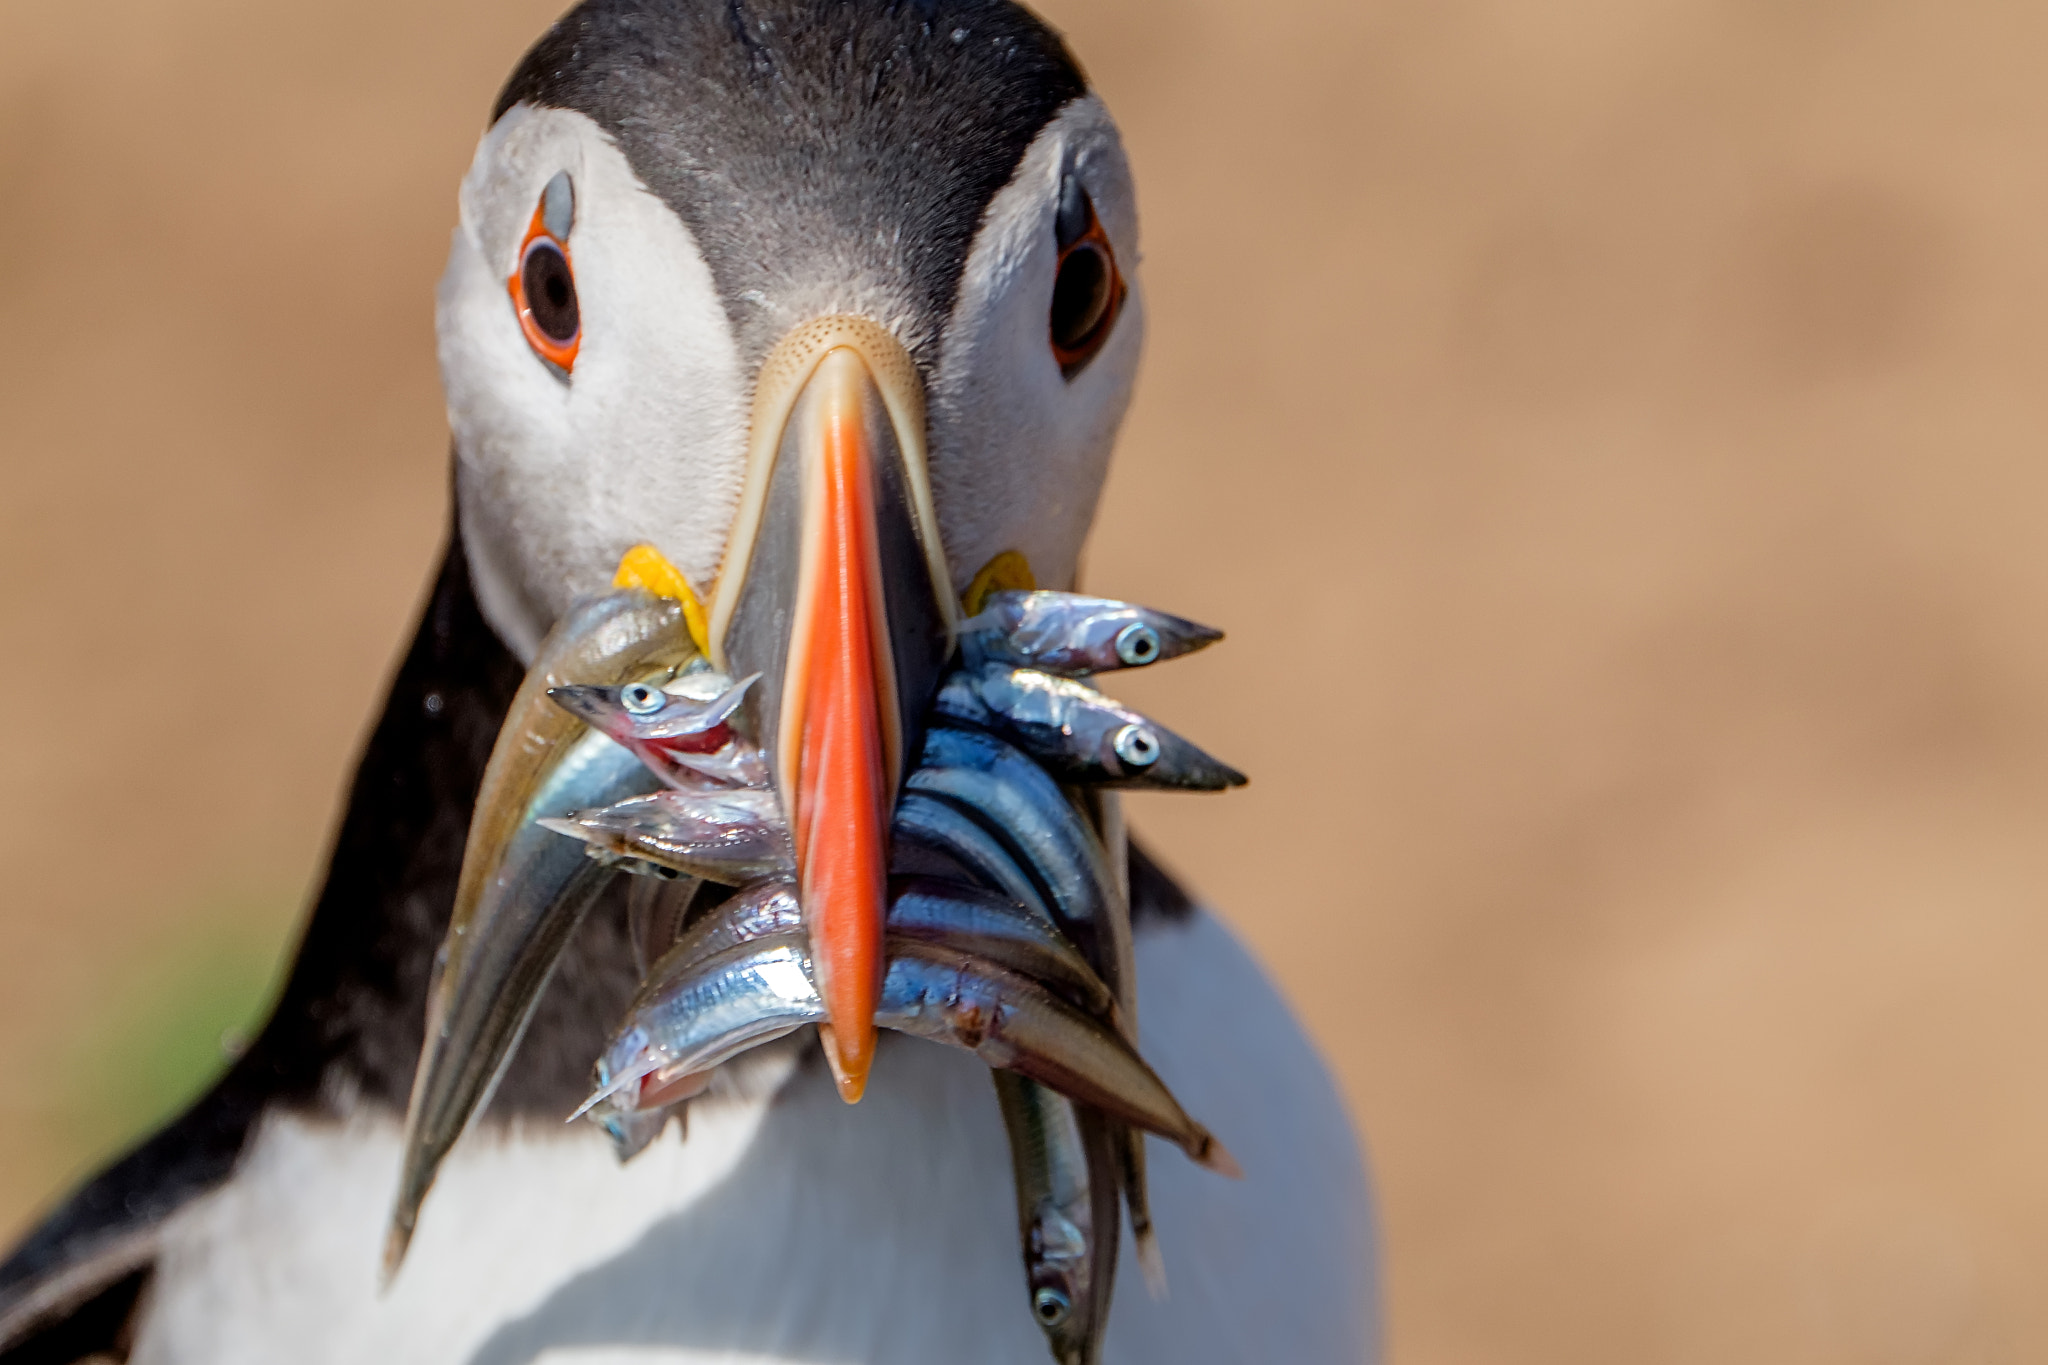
(642, 712)
(527, 916)
(1105, 811)
(1011, 794)
(739, 763)
(763, 989)
(1077, 733)
(930, 824)
(523, 890)
(961, 918)
(634, 1131)
(682, 732)
(1067, 633)
(1007, 787)
(758, 912)
(765, 910)
(996, 930)
(1016, 1025)
(725, 1004)
(1015, 800)
(1066, 1214)
(731, 835)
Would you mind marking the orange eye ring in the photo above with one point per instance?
(1088, 294)
(543, 289)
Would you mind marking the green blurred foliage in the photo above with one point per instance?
(175, 1015)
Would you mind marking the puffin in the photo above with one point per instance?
(694, 233)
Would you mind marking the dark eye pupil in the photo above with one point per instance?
(1051, 1306)
(1080, 297)
(551, 292)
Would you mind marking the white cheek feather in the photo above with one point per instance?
(792, 1228)
(644, 442)
(1018, 452)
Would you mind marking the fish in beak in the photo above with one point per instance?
(524, 888)
(835, 589)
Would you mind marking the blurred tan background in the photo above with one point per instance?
(1612, 433)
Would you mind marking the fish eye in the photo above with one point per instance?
(543, 288)
(1051, 1306)
(1087, 291)
(641, 699)
(1137, 746)
(1137, 644)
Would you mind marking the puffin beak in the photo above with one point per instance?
(835, 589)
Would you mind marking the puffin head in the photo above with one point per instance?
(833, 304)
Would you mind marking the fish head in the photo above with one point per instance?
(599, 707)
(645, 712)
(1076, 635)
(1144, 753)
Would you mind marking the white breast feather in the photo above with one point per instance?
(798, 1229)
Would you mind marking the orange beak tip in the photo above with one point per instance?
(850, 1066)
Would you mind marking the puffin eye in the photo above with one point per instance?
(544, 286)
(642, 700)
(1051, 1306)
(1087, 291)
(550, 292)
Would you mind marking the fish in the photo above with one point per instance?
(1105, 813)
(522, 890)
(1077, 733)
(643, 713)
(740, 763)
(932, 821)
(695, 1020)
(1073, 635)
(731, 835)
(1066, 1214)
(682, 732)
(994, 929)
(1014, 1024)
(1020, 805)
(633, 1131)
(1010, 795)
(760, 911)
(765, 910)
(932, 824)
(1017, 805)
(953, 915)
(763, 989)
